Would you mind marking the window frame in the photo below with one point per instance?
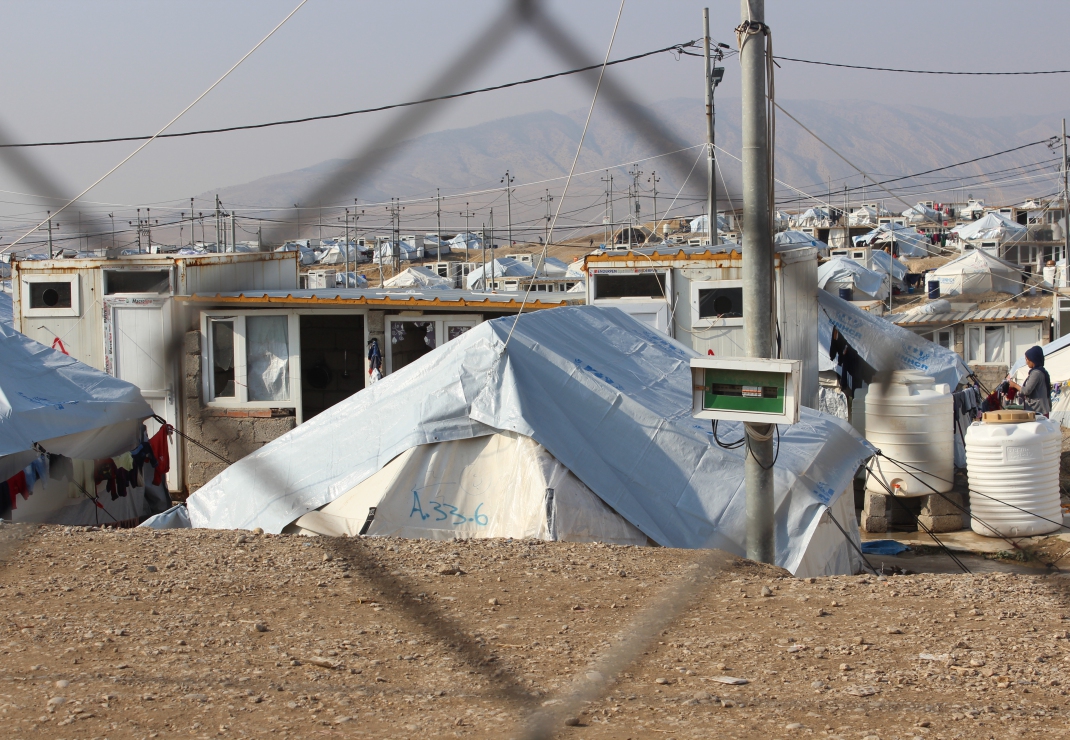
(241, 370)
(51, 277)
(982, 348)
(438, 320)
(710, 323)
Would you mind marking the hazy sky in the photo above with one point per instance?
(108, 68)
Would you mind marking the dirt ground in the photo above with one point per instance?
(135, 634)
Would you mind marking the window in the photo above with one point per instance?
(249, 359)
(716, 303)
(409, 339)
(992, 344)
(631, 285)
(720, 303)
(50, 295)
(137, 281)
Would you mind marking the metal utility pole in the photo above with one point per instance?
(192, 225)
(218, 225)
(757, 273)
(634, 197)
(50, 255)
(654, 180)
(148, 230)
(112, 217)
(139, 231)
(298, 237)
(438, 214)
(546, 229)
(1066, 201)
(508, 204)
(608, 179)
(492, 258)
(233, 232)
(345, 246)
(484, 233)
(466, 215)
(713, 78)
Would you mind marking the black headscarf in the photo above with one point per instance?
(1036, 356)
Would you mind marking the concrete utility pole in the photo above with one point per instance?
(345, 246)
(491, 248)
(218, 225)
(50, 255)
(484, 233)
(635, 173)
(148, 230)
(233, 232)
(192, 225)
(438, 213)
(508, 204)
(757, 273)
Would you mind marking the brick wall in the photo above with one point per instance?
(233, 433)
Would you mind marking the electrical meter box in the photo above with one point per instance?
(745, 389)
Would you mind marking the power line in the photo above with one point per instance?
(925, 71)
(328, 116)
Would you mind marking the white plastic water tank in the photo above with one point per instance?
(1013, 463)
(911, 419)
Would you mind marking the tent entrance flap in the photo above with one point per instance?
(497, 485)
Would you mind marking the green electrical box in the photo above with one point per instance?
(744, 389)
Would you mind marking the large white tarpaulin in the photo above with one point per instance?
(795, 239)
(498, 268)
(811, 217)
(607, 397)
(841, 272)
(67, 407)
(921, 213)
(418, 276)
(886, 263)
(879, 342)
(909, 241)
(991, 227)
(978, 272)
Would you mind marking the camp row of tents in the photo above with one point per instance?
(576, 428)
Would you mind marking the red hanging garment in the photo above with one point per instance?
(158, 443)
(17, 484)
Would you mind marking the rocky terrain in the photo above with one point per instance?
(135, 634)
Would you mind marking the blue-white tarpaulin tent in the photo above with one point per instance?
(579, 429)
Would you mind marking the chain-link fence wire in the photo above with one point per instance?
(514, 18)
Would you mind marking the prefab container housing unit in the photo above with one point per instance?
(119, 315)
(696, 296)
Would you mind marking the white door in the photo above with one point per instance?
(136, 335)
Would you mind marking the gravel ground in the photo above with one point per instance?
(215, 634)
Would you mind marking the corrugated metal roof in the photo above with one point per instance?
(980, 315)
(394, 298)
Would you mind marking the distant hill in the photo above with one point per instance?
(886, 140)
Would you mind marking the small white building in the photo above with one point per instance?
(696, 296)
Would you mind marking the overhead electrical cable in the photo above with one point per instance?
(377, 109)
(166, 126)
(924, 71)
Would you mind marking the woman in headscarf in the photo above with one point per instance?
(1035, 392)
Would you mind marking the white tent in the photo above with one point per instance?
(586, 397)
(473, 241)
(701, 225)
(6, 313)
(406, 250)
(978, 272)
(922, 213)
(886, 263)
(418, 277)
(61, 404)
(795, 239)
(308, 254)
(879, 341)
(866, 215)
(498, 268)
(990, 227)
(909, 241)
(840, 272)
(811, 217)
(334, 253)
